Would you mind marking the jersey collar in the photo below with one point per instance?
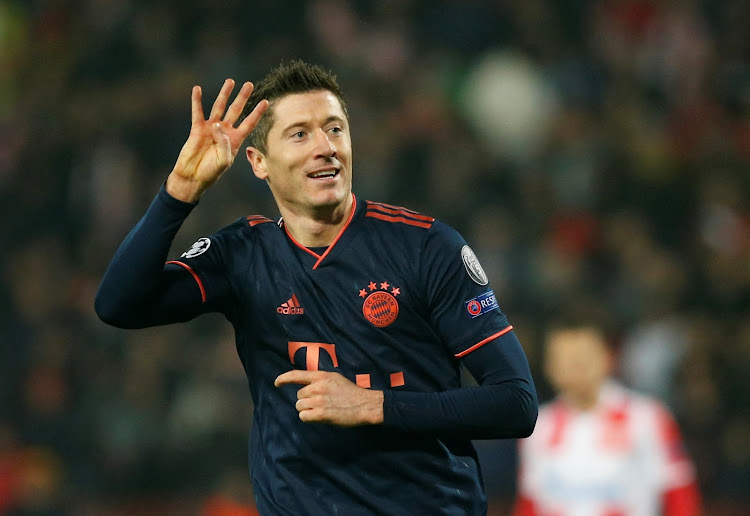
(320, 257)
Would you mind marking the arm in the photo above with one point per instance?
(680, 494)
(137, 289)
(503, 406)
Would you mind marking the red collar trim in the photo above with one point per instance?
(319, 257)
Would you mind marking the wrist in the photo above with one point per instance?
(184, 190)
(375, 414)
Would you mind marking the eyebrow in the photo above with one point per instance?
(332, 118)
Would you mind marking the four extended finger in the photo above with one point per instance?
(196, 106)
(217, 111)
(249, 123)
(235, 109)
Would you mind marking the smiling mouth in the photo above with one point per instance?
(324, 174)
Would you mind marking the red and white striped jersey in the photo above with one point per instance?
(622, 458)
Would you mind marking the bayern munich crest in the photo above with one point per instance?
(380, 306)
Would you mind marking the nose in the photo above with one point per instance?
(324, 147)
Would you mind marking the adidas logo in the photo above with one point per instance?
(291, 307)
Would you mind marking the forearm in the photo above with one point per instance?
(507, 410)
(135, 279)
(504, 405)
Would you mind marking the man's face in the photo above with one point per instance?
(308, 157)
(577, 362)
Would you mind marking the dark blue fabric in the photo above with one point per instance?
(388, 302)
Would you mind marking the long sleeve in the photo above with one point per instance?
(466, 315)
(504, 405)
(680, 495)
(138, 289)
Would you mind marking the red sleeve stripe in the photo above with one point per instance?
(482, 343)
(195, 276)
(389, 218)
(391, 206)
(254, 220)
(399, 211)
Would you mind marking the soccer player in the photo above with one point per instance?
(352, 318)
(600, 449)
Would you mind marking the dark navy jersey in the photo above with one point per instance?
(394, 304)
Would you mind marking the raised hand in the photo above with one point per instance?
(328, 397)
(213, 143)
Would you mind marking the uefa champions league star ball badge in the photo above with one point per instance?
(198, 248)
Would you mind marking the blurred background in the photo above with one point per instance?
(595, 154)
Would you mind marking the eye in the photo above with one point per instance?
(298, 135)
(336, 130)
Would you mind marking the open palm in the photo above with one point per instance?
(213, 142)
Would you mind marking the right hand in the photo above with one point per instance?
(213, 143)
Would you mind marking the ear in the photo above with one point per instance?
(258, 162)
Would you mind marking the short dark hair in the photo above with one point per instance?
(287, 79)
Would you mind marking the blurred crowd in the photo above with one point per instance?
(594, 153)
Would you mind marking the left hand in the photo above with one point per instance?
(328, 397)
(213, 143)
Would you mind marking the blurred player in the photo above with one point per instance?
(352, 318)
(600, 449)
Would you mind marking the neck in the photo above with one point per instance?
(318, 228)
(584, 400)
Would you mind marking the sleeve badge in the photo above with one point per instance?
(473, 268)
(198, 248)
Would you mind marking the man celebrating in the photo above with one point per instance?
(352, 318)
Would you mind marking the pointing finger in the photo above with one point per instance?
(295, 376)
